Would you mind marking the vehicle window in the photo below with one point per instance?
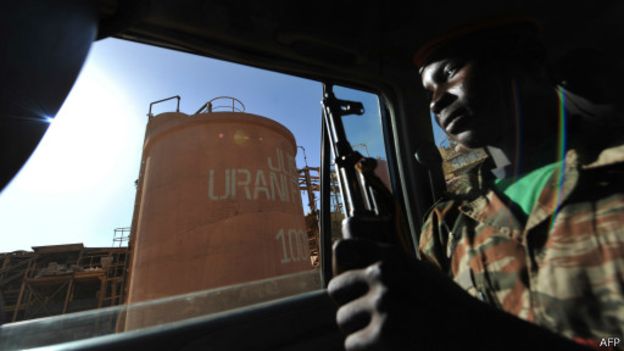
(365, 134)
(179, 184)
(456, 160)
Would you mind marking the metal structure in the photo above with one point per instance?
(218, 203)
(59, 279)
(121, 236)
(177, 97)
(458, 161)
(309, 182)
(221, 104)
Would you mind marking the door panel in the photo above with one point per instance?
(304, 322)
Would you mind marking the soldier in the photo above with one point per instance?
(532, 249)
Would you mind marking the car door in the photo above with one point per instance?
(284, 312)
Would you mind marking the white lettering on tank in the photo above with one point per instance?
(282, 183)
(294, 245)
(211, 185)
(279, 159)
(280, 237)
(293, 241)
(278, 185)
(292, 167)
(246, 182)
(293, 176)
(233, 183)
(261, 186)
(294, 187)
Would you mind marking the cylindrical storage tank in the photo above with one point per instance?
(218, 204)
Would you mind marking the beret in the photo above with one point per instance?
(496, 38)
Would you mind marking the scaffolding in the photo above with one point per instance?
(458, 161)
(58, 279)
(309, 182)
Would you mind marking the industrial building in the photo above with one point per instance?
(218, 202)
(60, 279)
(456, 162)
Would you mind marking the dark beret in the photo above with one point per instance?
(513, 38)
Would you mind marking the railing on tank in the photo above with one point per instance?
(121, 237)
(149, 114)
(218, 104)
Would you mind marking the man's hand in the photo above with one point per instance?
(388, 301)
(371, 298)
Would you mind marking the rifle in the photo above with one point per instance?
(364, 195)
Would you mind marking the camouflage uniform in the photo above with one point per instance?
(563, 269)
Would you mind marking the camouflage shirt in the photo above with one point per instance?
(562, 268)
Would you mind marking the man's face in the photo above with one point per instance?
(469, 99)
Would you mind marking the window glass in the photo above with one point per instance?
(365, 134)
(456, 160)
(216, 198)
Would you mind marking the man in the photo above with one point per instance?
(534, 242)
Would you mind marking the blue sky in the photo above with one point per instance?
(79, 184)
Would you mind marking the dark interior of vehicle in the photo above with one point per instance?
(367, 45)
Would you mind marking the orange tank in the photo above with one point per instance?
(218, 204)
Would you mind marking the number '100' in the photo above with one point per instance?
(294, 245)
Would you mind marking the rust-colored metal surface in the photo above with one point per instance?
(382, 172)
(218, 204)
